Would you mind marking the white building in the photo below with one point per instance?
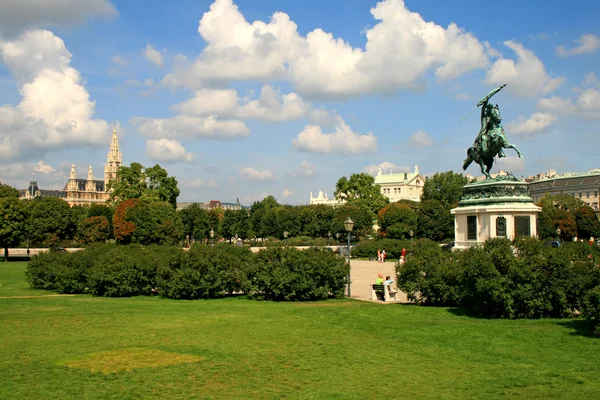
(402, 186)
(323, 199)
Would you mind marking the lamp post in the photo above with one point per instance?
(212, 235)
(349, 224)
(337, 236)
(285, 235)
(411, 233)
(235, 237)
(329, 236)
(187, 240)
(558, 234)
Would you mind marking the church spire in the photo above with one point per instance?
(72, 175)
(114, 159)
(90, 174)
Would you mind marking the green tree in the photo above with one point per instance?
(587, 224)
(8, 191)
(51, 220)
(149, 184)
(95, 229)
(102, 210)
(434, 221)
(196, 222)
(360, 191)
(397, 220)
(363, 223)
(155, 222)
(560, 211)
(445, 187)
(13, 222)
(235, 222)
(260, 224)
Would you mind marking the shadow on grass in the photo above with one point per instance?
(466, 312)
(579, 327)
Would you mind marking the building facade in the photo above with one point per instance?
(323, 199)
(585, 186)
(78, 192)
(402, 186)
(214, 204)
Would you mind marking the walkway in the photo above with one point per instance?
(365, 272)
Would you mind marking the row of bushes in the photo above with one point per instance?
(524, 279)
(393, 247)
(202, 272)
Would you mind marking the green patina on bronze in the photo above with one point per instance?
(499, 190)
(491, 140)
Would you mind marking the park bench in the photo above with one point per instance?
(382, 292)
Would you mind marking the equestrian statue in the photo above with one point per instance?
(491, 140)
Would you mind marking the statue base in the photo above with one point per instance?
(499, 207)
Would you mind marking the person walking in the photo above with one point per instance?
(378, 255)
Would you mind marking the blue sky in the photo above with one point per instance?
(246, 98)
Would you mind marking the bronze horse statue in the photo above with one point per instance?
(491, 140)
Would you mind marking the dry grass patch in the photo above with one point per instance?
(123, 360)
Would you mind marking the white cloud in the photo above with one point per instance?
(18, 174)
(587, 104)
(527, 77)
(511, 164)
(153, 56)
(463, 97)
(401, 48)
(55, 109)
(587, 43)
(421, 139)
(17, 15)
(186, 127)
(198, 183)
(270, 106)
(256, 174)
(536, 123)
(590, 79)
(306, 170)
(167, 150)
(386, 167)
(119, 61)
(342, 141)
(287, 193)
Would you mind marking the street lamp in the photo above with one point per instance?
(558, 234)
(411, 233)
(329, 236)
(349, 224)
(212, 235)
(337, 236)
(285, 235)
(187, 240)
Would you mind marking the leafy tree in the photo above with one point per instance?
(319, 223)
(155, 222)
(150, 184)
(123, 228)
(101, 210)
(360, 190)
(363, 223)
(196, 222)
(51, 220)
(445, 187)
(257, 216)
(8, 191)
(235, 222)
(397, 220)
(13, 222)
(560, 211)
(95, 229)
(434, 221)
(587, 223)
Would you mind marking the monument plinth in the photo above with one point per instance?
(494, 207)
(499, 207)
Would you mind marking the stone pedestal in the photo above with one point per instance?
(500, 207)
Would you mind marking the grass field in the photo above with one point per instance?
(150, 348)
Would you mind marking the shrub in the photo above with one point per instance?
(294, 275)
(592, 309)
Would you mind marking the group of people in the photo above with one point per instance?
(380, 281)
(381, 256)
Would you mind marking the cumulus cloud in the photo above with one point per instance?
(189, 127)
(256, 174)
(590, 79)
(153, 56)
(536, 123)
(463, 97)
(271, 105)
(587, 104)
(18, 174)
(587, 43)
(386, 167)
(167, 150)
(307, 170)
(401, 48)
(18, 15)
(286, 193)
(421, 139)
(198, 183)
(342, 141)
(55, 109)
(511, 164)
(525, 77)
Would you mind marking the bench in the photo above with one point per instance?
(382, 292)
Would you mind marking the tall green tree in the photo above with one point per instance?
(14, 214)
(362, 217)
(148, 184)
(445, 187)
(155, 222)
(360, 191)
(396, 221)
(51, 220)
(434, 221)
(261, 224)
(8, 191)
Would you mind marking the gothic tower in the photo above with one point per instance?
(90, 184)
(114, 159)
(72, 184)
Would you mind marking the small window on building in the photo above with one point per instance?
(471, 227)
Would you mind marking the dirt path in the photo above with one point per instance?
(364, 273)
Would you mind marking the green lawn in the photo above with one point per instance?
(147, 347)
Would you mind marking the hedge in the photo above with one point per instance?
(203, 272)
